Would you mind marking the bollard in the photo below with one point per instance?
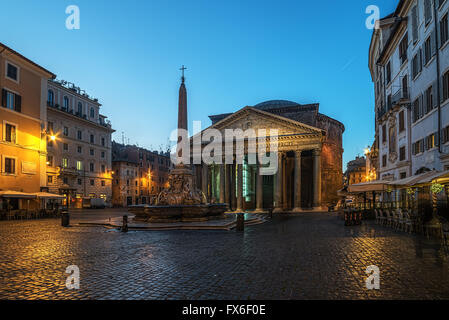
(125, 224)
(240, 221)
(65, 218)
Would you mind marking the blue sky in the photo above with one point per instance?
(238, 53)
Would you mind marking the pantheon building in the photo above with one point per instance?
(309, 161)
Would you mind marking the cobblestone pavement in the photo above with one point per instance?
(308, 256)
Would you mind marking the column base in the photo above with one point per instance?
(298, 209)
(278, 210)
(319, 209)
(259, 211)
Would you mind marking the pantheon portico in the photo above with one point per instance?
(309, 161)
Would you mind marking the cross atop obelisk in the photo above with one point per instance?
(182, 69)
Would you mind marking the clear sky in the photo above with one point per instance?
(238, 53)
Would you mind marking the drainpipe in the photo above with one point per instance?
(435, 11)
(409, 136)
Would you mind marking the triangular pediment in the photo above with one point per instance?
(252, 118)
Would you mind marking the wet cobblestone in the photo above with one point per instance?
(308, 256)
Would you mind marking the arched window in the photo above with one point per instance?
(92, 112)
(66, 103)
(80, 109)
(50, 98)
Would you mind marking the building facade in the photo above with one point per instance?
(139, 175)
(79, 160)
(409, 65)
(309, 160)
(23, 118)
(356, 171)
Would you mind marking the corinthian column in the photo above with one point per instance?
(239, 187)
(222, 183)
(297, 182)
(259, 190)
(278, 185)
(317, 179)
(205, 180)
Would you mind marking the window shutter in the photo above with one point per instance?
(425, 100)
(433, 43)
(442, 90)
(421, 58)
(3, 98)
(434, 94)
(427, 11)
(421, 106)
(18, 102)
(414, 24)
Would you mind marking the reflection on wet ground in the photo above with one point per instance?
(306, 256)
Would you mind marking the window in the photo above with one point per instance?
(417, 64)
(65, 147)
(92, 182)
(50, 127)
(10, 133)
(401, 121)
(50, 98)
(416, 110)
(428, 100)
(80, 135)
(384, 133)
(102, 142)
(446, 86)
(92, 112)
(102, 154)
(444, 32)
(418, 147)
(384, 160)
(402, 175)
(66, 131)
(427, 50)
(103, 183)
(66, 103)
(402, 153)
(103, 168)
(65, 180)
(11, 100)
(427, 11)
(415, 23)
(430, 141)
(91, 167)
(50, 160)
(10, 165)
(12, 72)
(79, 165)
(79, 149)
(91, 152)
(92, 138)
(79, 182)
(403, 49)
(388, 72)
(80, 109)
(49, 179)
(65, 162)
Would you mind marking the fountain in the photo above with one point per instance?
(181, 201)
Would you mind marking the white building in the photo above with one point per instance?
(409, 64)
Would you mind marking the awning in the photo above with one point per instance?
(17, 194)
(434, 177)
(46, 195)
(411, 181)
(378, 185)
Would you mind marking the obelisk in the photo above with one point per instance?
(182, 114)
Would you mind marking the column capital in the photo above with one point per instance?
(316, 152)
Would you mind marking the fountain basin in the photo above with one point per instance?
(178, 213)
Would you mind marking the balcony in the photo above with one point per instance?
(401, 96)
